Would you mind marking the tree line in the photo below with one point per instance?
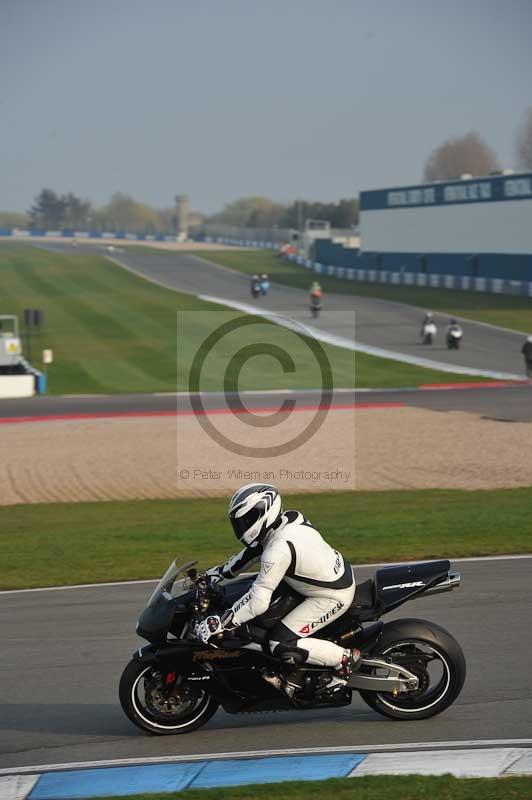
(52, 211)
(466, 154)
(261, 212)
(470, 154)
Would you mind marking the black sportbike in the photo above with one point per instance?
(411, 668)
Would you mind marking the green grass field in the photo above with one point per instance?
(504, 310)
(381, 787)
(66, 543)
(113, 332)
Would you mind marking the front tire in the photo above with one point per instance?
(433, 655)
(187, 708)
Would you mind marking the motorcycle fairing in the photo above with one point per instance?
(394, 585)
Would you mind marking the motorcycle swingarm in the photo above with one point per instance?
(396, 680)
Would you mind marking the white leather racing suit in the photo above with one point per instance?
(295, 552)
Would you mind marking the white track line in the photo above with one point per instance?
(297, 751)
(78, 586)
(223, 394)
(330, 338)
(350, 344)
(466, 559)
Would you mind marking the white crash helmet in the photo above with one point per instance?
(253, 510)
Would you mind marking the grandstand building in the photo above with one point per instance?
(479, 227)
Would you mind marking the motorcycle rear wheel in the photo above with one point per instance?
(187, 708)
(433, 655)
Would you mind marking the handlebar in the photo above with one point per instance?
(206, 592)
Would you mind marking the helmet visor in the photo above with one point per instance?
(241, 525)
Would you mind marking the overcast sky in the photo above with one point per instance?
(225, 98)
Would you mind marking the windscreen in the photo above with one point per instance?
(169, 579)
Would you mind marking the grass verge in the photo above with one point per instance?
(113, 332)
(375, 787)
(67, 543)
(504, 310)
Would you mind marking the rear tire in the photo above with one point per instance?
(187, 710)
(418, 645)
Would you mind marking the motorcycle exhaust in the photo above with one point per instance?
(452, 581)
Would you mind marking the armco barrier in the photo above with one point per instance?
(399, 278)
(367, 275)
(15, 233)
(422, 279)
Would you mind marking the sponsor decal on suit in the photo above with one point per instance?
(309, 627)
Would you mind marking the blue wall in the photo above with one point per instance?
(81, 236)
(328, 252)
(487, 265)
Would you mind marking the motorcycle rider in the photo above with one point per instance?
(428, 319)
(264, 283)
(527, 353)
(428, 328)
(454, 328)
(290, 549)
(316, 292)
(255, 285)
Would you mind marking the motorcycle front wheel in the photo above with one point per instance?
(433, 656)
(161, 711)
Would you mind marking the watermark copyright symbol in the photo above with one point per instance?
(231, 391)
(184, 474)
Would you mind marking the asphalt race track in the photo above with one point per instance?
(63, 652)
(509, 403)
(378, 323)
(392, 326)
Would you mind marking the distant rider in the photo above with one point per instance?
(315, 291)
(428, 319)
(255, 285)
(527, 353)
(264, 283)
(289, 549)
(454, 327)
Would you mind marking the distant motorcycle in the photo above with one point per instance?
(428, 332)
(454, 337)
(264, 286)
(255, 289)
(315, 305)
